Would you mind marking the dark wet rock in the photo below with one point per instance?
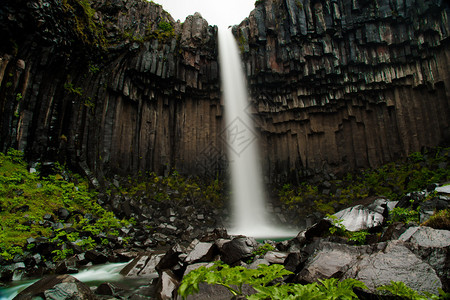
(238, 249)
(95, 257)
(167, 285)
(108, 289)
(393, 231)
(63, 287)
(143, 266)
(63, 214)
(172, 259)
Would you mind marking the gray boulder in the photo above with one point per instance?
(362, 217)
(433, 246)
(394, 263)
(426, 237)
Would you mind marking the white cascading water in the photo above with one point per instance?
(249, 215)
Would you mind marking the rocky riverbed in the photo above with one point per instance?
(415, 255)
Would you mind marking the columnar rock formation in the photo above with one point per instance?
(120, 87)
(148, 99)
(347, 84)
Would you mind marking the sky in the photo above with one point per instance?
(217, 12)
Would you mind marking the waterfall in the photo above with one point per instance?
(249, 216)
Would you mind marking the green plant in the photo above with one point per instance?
(260, 251)
(19, 97)
(359, 237)
(401, 290)
(68, 86)
(338, 228)
(231, 278)
(60, 254)
(405, 215)
(41, 195)
(299, 4)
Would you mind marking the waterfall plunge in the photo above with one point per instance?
(249, 216)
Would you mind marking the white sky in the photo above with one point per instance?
(216, 12)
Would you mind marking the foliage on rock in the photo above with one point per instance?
(267, 281)
(392, 180)
(25, 198)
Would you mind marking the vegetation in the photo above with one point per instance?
(173, 189)
(392, 180)
(267, 281)
(88, 31)
(440, 220)
(260, 251)
(358, 237)
(163, 33)
(26, 197)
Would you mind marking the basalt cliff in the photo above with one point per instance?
(118, 86)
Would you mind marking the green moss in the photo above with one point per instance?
(440, 220)
(26, 197)
(163, 32)
(82, 14)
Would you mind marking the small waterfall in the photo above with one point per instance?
(249, 216)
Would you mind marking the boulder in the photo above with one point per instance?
(202, 252)
(433, 246)
(362, 217)
(167, 285)
(108, 289)
(394, 263)
(238, 249)
(426, 237)
(275, 257)
(327, 261)
(143, 265)
(59, 287)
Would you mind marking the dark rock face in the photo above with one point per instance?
(336, 85)
(347, 84)
(149, 100)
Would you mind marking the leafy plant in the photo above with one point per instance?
(400, 289)
(231, 278)
(359, 237)
(260, 251)
(405, 215)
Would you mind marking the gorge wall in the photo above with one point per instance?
(115, 86)
(341, 85)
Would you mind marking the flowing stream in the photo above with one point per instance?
(249, 216)
(91, 276)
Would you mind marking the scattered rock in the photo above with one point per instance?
(61, 287)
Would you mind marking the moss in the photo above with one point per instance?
(440, 220)
(26, 197)
(88, 31)
(163, 33)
